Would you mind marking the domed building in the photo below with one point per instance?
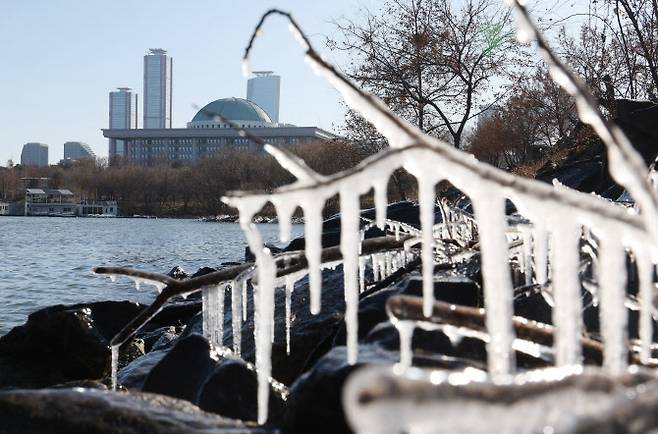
(209, 132)
(240, 111)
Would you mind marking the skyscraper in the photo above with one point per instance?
(157, 89)
(123, 109)
(264, 90)
(123, 116)
(34, 154)
(77, 151)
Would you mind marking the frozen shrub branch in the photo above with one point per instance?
(286, 264)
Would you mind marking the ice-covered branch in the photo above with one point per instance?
(286, 264)
(626, 166)
(409, 308)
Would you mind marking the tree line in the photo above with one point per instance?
(188, 190)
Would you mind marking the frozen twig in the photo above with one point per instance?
(287, 263)
(404, 307)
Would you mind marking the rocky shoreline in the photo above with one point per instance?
(54, 369)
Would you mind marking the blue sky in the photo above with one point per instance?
(60, 58)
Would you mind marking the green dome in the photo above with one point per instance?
(233, 109)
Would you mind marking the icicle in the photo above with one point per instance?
(114, 365)
(265, 307)
(290, 285)
(349, 244)
(313, 232)
(388, 264)
(213, 314)
(218, 330)
(405, 331)
(236, 316)
(362, 274)
(284, 212)
(375, 268)
(613, 315)
(498, 293)
(527, 254)
(381, 201)
(244, 299)
(540, 252)
(565, 262)
(645, 268)
(426, 202)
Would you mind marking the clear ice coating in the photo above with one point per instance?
(236, 316)
(114, 365)
(430, 160)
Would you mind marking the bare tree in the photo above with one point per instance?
(431, 62)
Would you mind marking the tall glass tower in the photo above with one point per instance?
(264, 90)
(123, 116)
(123, 109)
(157, 89)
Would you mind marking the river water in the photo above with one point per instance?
(48, 260)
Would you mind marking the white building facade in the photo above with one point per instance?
(158, 69)
(264, 89)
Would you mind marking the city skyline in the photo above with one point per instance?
(89, 51)
(85, 50)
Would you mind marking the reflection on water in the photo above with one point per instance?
(47, 261)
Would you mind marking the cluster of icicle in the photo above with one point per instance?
(558, 217)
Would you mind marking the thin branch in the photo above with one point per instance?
(287, 263)
(404, 307)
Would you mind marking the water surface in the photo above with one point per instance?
(47, 260)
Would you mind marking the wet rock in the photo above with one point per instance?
(158, 337)
(174, 314)
(315, 400)
(177, 273)
(203, 271)
(231, 391)
(90, 411)
(130, 351)
(450, 289)
(249, 256)
(183, 371)
(109, 317)
(134, 374)
(54, 346)
(308, 332)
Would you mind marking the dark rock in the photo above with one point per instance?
(177, 273)
(109, 317)
(532, 305)
(203, 271)
(249, 256)
(90, 411)
(159, 336)
(308, 332)
(54, 346)
(232, 389)
(130, 351)
(449, 289)
(175, 314)
(315, 400)
(134, 375)
(184, 370)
